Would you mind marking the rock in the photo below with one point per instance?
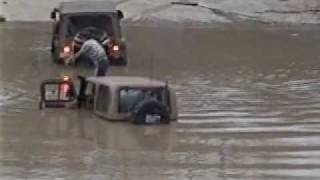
(2, 19)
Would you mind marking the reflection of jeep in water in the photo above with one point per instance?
(140, 100)
(72, 18)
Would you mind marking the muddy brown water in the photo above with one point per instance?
(249, 100)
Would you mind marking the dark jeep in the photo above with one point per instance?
(72, 18)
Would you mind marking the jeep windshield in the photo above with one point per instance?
(102, 22)
(132, 96)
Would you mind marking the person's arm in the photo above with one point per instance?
(74, 57)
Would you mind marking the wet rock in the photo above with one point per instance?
(2, 19)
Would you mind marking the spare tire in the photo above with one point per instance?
(150, 111)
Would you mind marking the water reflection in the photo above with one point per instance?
(248, 103)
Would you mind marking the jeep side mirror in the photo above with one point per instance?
(120, 14)
(54, 13)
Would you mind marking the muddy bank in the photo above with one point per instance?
(206, 11)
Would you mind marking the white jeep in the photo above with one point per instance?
(137, 99)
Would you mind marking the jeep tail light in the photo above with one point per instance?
(67, 49)
(116, 48)
(115, 51)
(65, 91)
(65, 88)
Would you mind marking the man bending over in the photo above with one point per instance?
(95, 52)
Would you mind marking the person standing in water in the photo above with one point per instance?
(95, 52)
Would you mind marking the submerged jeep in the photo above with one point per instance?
(72, 18)
(137, 99)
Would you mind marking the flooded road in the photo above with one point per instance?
(249, 100)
